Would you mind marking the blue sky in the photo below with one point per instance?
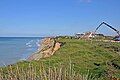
(57, 17)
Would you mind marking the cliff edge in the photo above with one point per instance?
(48, 47)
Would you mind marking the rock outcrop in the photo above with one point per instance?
(48, 47)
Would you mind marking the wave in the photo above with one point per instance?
(29, 44)
(38, 43)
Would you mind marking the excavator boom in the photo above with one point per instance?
(108, 26)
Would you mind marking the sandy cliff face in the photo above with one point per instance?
(48, 47)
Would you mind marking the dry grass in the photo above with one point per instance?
(43, 72)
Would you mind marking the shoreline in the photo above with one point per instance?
(37, 51)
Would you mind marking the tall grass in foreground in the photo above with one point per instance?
(41, 72)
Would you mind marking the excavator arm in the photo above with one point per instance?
(108, 26)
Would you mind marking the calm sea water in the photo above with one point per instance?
(14, 49)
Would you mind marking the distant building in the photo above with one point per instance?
(99, 35)
(87, 35)
(78, 35)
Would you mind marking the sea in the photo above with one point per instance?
(15, 49)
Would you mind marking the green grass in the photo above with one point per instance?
(101, 59)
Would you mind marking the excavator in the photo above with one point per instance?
(116, 38)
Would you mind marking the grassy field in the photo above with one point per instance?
(75, 60)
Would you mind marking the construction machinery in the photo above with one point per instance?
(117, 38)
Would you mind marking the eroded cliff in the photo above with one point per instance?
(48, 47)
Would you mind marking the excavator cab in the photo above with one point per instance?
(116, 38)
